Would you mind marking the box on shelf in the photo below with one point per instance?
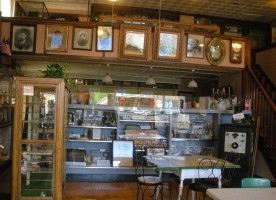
(80, 98)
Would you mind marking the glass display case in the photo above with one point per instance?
(38, 141)
(90, 132)
(31, 9)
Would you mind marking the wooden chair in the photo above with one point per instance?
(255, 183)
(201, 185)
(145, 181)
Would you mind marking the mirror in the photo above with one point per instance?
(215, 51)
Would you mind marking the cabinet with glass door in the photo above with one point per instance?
(38, 140)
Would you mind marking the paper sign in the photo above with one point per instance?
(238, 116)
(28, 90)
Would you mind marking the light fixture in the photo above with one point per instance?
(150, 81)
(107, 79)
(192, 83)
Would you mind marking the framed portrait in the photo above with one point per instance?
(195, 46)
(134, 41)
(82, 38)
(79, 115)
(168, 44)
(56, 38)
(236, 51)
(215, 51)
(104, 41)
(23, 38)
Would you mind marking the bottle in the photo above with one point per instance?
(229, 89)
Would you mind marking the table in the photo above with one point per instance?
(242, 193)
(186, 167)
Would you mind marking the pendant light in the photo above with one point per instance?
(192, 83)
(107, 79)
(150, 81)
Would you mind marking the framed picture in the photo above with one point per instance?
(56, 38)
(168, 44)
(134, 41)
(23, 38)
(79, 115)
(82, 38)
(96, 133)
(104, 40)
(236, 51)
(215, 51)
(71, 117)
(88, 115)
(195, 46)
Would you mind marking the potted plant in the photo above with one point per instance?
(223, 100)
(54, 70)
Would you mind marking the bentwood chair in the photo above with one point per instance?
(255, 183)
(202, 184)
(144, 182)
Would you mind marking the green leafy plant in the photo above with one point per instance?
(54, 70)
(222, 95)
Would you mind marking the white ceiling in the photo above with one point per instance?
(252, 10)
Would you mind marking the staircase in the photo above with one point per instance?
(262, 92)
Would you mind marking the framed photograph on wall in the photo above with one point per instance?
(56, 38)
(195, 46)
(236, 51)
(82, 38)
(23, 38)
(168, 44)
(134, 41)
(104, 41)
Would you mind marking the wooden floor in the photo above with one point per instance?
(111, 191)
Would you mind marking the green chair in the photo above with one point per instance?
(255, 183)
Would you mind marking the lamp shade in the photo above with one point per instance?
(107, 79)
(192, 84)
(150, 81)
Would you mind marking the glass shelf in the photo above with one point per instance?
(103, 127)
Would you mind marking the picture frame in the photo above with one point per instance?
(168, 44)
(79, 115)
(215, 51)
(96, 133)
(71, 117)
(56, 38)
(87, 115)
(134, 41)
(23, 38)
(104, 39)
(195, 46)
(236, 51)
(82, 38)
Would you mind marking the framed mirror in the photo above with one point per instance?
(236, 51)
(215, 51)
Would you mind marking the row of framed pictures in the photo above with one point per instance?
(24, 38)
(134, 42)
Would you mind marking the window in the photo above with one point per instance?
(6, 8)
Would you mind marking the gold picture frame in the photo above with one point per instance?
(195, 46)
(134, 41)
(236, 51)
(104, 41)
(168, 44)
(215, 51)
(56, 38)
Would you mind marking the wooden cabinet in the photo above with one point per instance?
(38, 140)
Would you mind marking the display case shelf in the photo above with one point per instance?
(91, 141)
(91, 107)
(143, 121)
(101, 127)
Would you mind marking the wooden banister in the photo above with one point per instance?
(268, 98)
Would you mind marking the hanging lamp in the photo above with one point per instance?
(107, 79)
(192, 83)
(150, 81)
